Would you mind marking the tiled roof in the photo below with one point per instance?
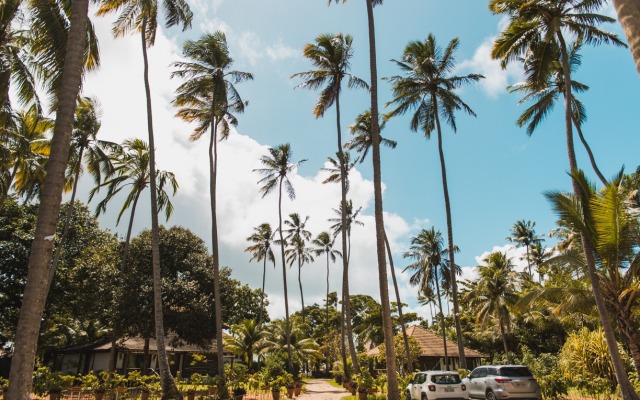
(432, 345)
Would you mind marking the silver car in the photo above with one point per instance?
(495, 382)
(432, 385)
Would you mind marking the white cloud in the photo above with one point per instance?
(496, 79)
(253, 49)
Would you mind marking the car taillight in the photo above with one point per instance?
(503, 380)
(432, 388)
(463, 387)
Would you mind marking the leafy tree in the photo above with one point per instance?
(302, 348)
(428, 88)
(331, 55)
(277, 166)
(262, 238)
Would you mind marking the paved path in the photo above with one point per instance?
(319, 389)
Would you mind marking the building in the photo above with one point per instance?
(432, 351)
(95, 357)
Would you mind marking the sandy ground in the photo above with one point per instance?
(318, 389)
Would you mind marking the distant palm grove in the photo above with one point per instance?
(568, 308)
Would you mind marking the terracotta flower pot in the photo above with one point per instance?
(297, 390)
(362, 395)
(98, 395)
(275, 394)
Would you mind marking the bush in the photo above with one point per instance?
(545, 368)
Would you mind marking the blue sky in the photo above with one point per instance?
(497, 174)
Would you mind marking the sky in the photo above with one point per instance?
(497, 174)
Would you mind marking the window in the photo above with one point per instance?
(515, 372)
(448, 379)
(478, 373)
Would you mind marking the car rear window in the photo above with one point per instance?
(447, 379)
(515, 372)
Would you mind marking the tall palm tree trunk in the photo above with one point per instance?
(392, 376)
(300, 284)
(528, 260)
(326, 312)
(115, 331)
(264, 276)
(629, 17)
(504, 342)
(169, 389)
(452, 269)
(400, 316)
(626, 388)
(67, 223)
(444, 328)
(33, 300)
(284, 280)
(213, 182)
(346, 304)
(592, 159)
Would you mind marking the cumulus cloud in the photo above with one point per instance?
(253, 49)
(496, 79)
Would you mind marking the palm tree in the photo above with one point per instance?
(247, 339)
(537, 28)
(209, 97)
(331, 55)
(544, 100)
(351, 220)
(324, 244)
(392, 378)
(612, 224)
(25, 345)
(28, 149)
(261, 251)
(496, 293)
(281, 335)
(277, 166)
(538, 257)
(131, 168)
(428, 87)
(334, 170)
(297, 237)
(431, 269)
(95, 153)
(362, 142)
(142, 17)
(523, 233)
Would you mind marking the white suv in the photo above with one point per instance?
(495, 382)
(431, 385)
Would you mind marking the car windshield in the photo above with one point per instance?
(447, 379)
(515, 372)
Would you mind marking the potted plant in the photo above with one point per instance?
(297, 388)
(191, 394)
(365, 382)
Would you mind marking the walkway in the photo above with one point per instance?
(319, 389)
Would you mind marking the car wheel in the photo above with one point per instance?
(424, 397)
(491, 395)
(407, 396)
